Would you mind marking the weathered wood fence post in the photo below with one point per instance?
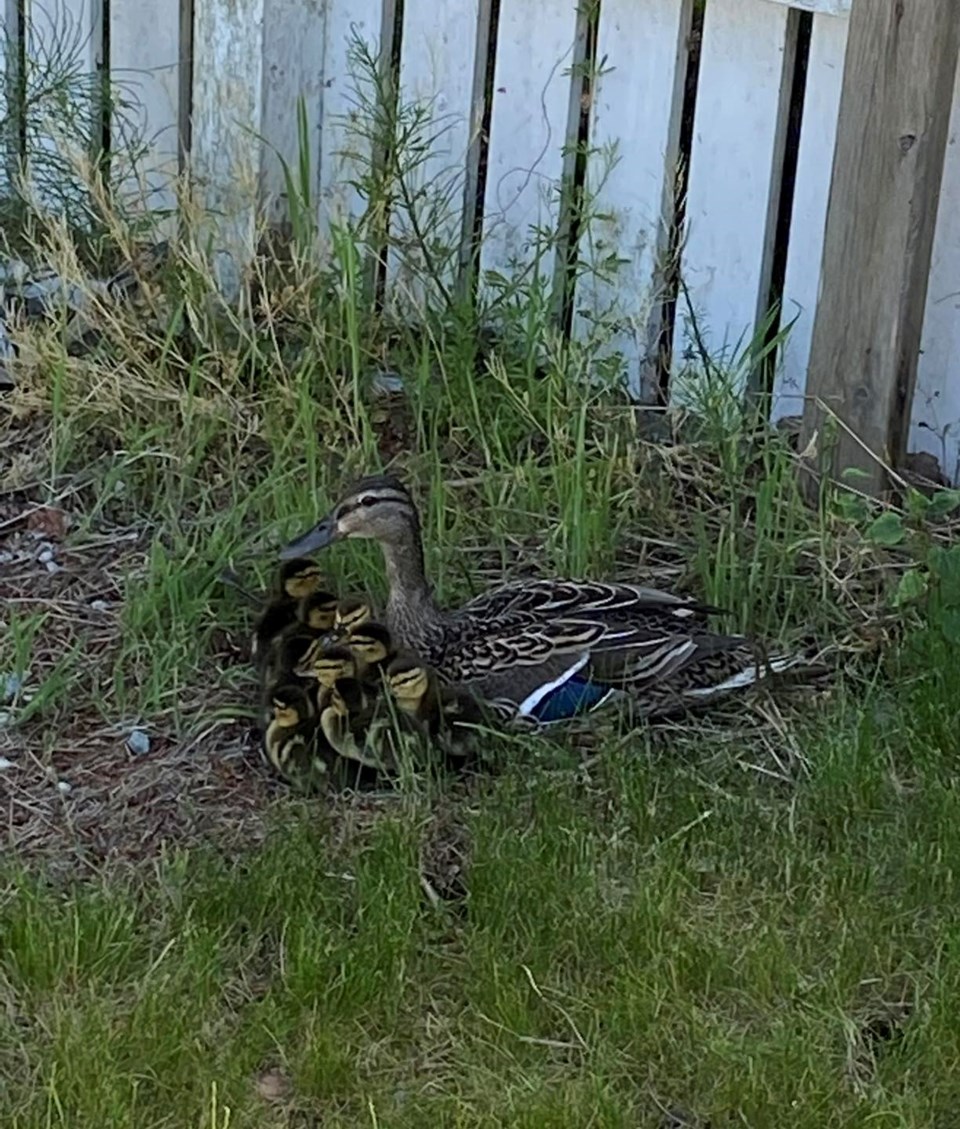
(898, 82)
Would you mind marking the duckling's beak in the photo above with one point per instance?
(322, 535)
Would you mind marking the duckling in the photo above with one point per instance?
(346, 717)
(293, 745)
(286, 655)
(297, 579)
(318, 612)
(326, 663)
(314, 620)
(372, 647)
(289, 702)
(351, 614)
(415, 691)
(444, 714)
(301, 577)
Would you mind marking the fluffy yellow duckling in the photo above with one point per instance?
(345, 720)
(297, 579)
(372, 649)
(318, 612)
(293, 744)
(352, 613)
(444, 714)
(326, 663)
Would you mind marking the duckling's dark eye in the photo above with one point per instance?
(368, 500)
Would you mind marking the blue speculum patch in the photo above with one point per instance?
(571, 699)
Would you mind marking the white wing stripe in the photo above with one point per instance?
(531, 702)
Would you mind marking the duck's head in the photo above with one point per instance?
(370, 644)
(291, 704)
(352, 614)
(408, 680)
(318, 611)
(378, 508)
(299, 577)
(327, 664)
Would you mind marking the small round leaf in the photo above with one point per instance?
(913, 585)
(942, 503)
(887, 529)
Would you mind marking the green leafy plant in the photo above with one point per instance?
(932, 580)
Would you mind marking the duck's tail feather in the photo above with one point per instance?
(575, 693)
(754, 670)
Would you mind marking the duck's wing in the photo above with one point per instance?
(630, 653)
(559, 598)
(565, 667)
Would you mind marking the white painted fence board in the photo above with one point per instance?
(8, 140)
(436, 69)
(227, 114)
(935, 422)
(63, 42)
(637, 100)
(338, 142)
(146, 68)
(818, 135)
(822, 7)
(531, 101)
(293, 68)
(61, 35)
(735, 131)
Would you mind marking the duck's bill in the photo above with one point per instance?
(313, 540)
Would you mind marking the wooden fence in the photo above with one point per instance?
(741, 96)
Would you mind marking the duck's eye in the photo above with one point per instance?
(368, 500)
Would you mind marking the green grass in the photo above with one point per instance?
(706, 916)
(643, 937)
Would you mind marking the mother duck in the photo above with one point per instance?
(555, 648)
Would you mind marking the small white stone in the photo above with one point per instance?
(45, 556)
(99, 605)
(64, 788)
(138, 743)
(387, 384)
(12, 685)
(52, 566)
(5, 764)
